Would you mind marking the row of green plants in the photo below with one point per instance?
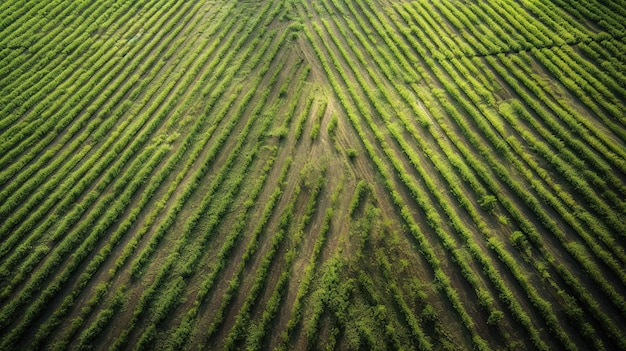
(572, 118)
(597, 204)
(452, 216)
(283, 130)
(120, 128)
(86, 236)
(600, 78)
(11, 11)
(50, 152)
(240, 329)
(176, 255)
(563, 168)
(225, 201)
(303, 117)
(93, 174)
(502, 23)
(460, 227)
(169, 297)
(609, 63)
(467, 21)
(249, 253)
(25, 35)
(423, 19)
(391, 327)
(52, 80)
(600, 231)
(183, 330)
(258, 332)
(609, 19)
(411, 320)
(495, 139)
(298, 308)
(216, 146)
(596, 97)
(589, 161)
(144, 137)
(414, 229)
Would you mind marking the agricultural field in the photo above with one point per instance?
(313, 174)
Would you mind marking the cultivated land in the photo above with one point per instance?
(310, 174)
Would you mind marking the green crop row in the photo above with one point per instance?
(571, 176)
(391, 327)
(46, 87)
(435, 21)
(297, 309)
(581, 186)
(541, 191)
(422, 341)
(182, 332)
(600, 79)
(546, 117)
(95, 173)
(564, 135)
(605, 60)
(304, 114)
(573, 119)
(251, 249)
(183, 329)
(256, 334)
(66, 137)
(96, 229)
(317, 120)
(43, 46)
(597, 98)
(598, 13)
(87, 337)
(467, 273)
(141, 178)
(291, 109)
(238, 331)
(449, 292)
(221, 176)
(500, 173)
(429, 22)
(175, 256)
(216, 94)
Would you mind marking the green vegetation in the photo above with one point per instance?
(313, 175)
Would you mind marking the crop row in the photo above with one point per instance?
(181, 332)
(77, 126)
(148, 133)
(44, 89)
(452, 216)
(609, 289)
(94, 173)
(137, 142)
(35, 199)
(421, 240)
(175, 255)
(537, 300)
